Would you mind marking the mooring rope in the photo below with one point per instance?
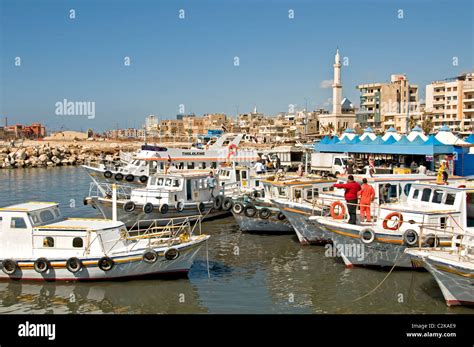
(373, 290)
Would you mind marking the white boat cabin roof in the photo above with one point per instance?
(30, 206)
(79, 224)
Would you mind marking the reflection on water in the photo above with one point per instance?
(247, 273)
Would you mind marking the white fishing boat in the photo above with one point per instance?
(453, 267)
(178, 195)
(136, 168)
(37, 243)
(260, 214)
(423, 220)
(397, 188)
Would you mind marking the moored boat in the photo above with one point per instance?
(37, 243)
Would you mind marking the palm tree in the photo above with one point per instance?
(427, 126)
(411, 122)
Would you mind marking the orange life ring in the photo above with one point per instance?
(389, 218)
(342, 210)
(232, 150)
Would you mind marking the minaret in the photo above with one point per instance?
(337, 86)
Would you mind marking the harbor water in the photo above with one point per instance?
(237, 273)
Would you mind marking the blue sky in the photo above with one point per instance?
(191, 61)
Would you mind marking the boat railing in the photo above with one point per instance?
(102, 164)
(176, 230)
(105, 190)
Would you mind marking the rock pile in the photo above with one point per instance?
(45, 155)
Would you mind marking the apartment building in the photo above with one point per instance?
(385, 105)
(451, 102)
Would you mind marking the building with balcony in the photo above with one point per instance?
(451, 102)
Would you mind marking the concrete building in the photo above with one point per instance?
(337, 120)
(451, 102)
(385, 105)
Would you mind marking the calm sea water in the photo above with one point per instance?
(248, 273)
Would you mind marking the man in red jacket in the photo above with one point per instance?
(351, 190)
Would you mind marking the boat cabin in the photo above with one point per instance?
(186, 186)
(37, 229)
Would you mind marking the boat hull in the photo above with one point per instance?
(307, 231)
(383, 251)
(125, 266)
(272, 225)
(456, 283)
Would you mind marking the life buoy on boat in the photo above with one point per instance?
(227, 203)
(179, 206)
(340, 212)
(118, 176)
(148, 208)
(105, 264)
(150, 256)
(410, 237)
(238, 208)
(73, 264)
(9, 266)
(264, 213)
(218, 202)
(389, 218)
(108, 174)
(164, 208)
(367, 235)
(143, 179)
(171, 254)
(129, 206)
(250, 210)
(129, 178)
(232, 151)
(41, 265)
(281, 216)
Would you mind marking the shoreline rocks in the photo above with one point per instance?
(46, 155)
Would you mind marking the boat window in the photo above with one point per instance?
(470, 210)
(46, 216)
(281, 191)
(309, 194)
(160, 181)
(199, 182)
(437, 196)
(257, 183)
(406, 189)
(425, 196)
(416, 192)
(77, 242)
(450, 199)
(153, 181)
(35, 218)
(442, 222)
(337, 161)
(176, 183)
(203, 165)
(18, 223)
(191, 165)
(48, 242)
(168, 182)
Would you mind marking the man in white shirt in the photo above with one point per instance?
(259, 168)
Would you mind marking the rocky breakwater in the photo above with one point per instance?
(46, 155)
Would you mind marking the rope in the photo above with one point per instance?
(373, 290)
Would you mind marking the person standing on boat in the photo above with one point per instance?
(259, 168)
(367, 195)
(351, 189)
(350, 167)
(211, 183)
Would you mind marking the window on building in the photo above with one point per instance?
(18, 223)
(77, 242)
